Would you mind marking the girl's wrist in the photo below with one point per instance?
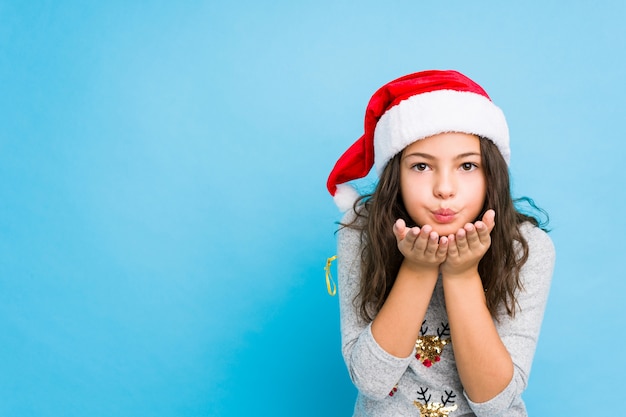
(465, 273)
(420, 269)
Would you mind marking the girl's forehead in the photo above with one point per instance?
(446, 143)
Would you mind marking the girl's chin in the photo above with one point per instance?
(447, 229)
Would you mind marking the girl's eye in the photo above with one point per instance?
(420, 166)
(468, 166)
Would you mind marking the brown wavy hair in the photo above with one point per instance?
(499, 268)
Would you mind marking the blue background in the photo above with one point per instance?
(164, 221)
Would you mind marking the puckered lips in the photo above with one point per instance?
(444, 215)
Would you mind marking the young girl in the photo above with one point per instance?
(442, 282)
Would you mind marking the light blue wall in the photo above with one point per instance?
(164, 221)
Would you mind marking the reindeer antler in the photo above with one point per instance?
(450, 396)
(421, 395)
(445, 331)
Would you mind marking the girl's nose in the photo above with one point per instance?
(444, 186)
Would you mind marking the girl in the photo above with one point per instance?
(443, 283)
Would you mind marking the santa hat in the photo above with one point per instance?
(411, 108)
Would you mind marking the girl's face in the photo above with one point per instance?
(442, 181)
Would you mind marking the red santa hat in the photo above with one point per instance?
(411, 108)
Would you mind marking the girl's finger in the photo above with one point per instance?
(489, 218)
(433, 244)
(461, 240)
(411, 237)
(453, 250)
(472, 237)
(399, 229)
(442, 249)
(483, 232)
(422, 240)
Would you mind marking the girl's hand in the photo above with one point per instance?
(421, 248)
(467, 247)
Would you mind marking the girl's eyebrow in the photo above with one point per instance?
(420, 155)
(466, 154)
(431, 157)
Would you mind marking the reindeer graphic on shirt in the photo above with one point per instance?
(428, 348)
(433, 409)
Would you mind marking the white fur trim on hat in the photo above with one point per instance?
(428, 114)
(345, 196)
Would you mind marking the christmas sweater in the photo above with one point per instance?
(427, 382)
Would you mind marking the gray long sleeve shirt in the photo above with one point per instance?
(393, 386)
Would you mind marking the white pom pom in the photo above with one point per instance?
(345, 196)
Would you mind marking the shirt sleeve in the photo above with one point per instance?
(373, 371)
(520, 333)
